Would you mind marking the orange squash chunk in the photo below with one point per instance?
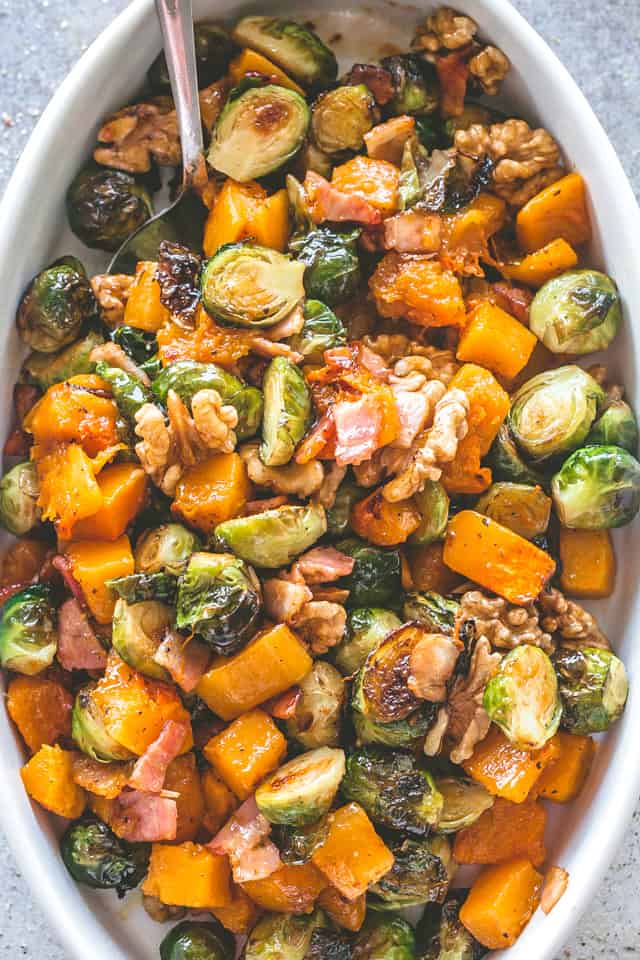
(72, 411)
(501, 903)
(587, 562)
(242, 211)
(143, 308)
(495, 339)
(417, 288)
(292, 888)
(240, 915)
(536, 268)
(384, 523)
(41, 709)
(123, 487)
(206, 342)
(353, 856)
(375, 181)
(188, 875)
(249, 61)
(95, 561)
(504, 769)
(48, 779)
(504, 832)
(183, 778)
(563, 778)
(246, 751)
(69, 490)
(212, 491)
(348, 914)
(104, 780)
(219, 801)
(559, 210)
(428, 569)
(465, 235)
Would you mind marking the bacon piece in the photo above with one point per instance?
(283, 599)
(78, 646)
(514, 300)
(144, 817)
(245, 840)
(271, 503)
(185, 660)
(374, 363)
(63, 566)
(329, 203)
(330, 594)
(324, 564)
(151, 768)
(314, 443)
(284, 705)
(412, 232)
(377, 79)
(270, 348)
(453, 73)
(358, 425)
(17, 444)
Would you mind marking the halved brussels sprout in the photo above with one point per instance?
(282, 936)
(522, 697)
(140, 345)
(322, 331)
(552, 413)
(46, 368)
(616, 427)
(433, 504)
(293, 47)
(318, 715)
(421, 873)
(258, 130)
(95, 857)
(89, 731)
(328, 944)
(391, 733)
(577, 312)
(19, 492)
(367, 627)
(219, 599)
(525, 510)
(165, 549)
(273, 538)
(298, 844)
(145, 586)
(332, 262)
(138, 631)
(597, 488)
(507, 464)
(341, 117)
(105, 206)
(303, 790)
(251, 286)
(393, 789)
(192, 940)
(434, 611)
(463, 802)
(55, 305)
(415, 83)
(385, 937)
(28, 635)
(593, 689)
(129, 392)
(375, 578)
(287, 411)
(441, 935)
(214, 50)
(338, 516)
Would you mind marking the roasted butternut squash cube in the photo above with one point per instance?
(353, 856)
(48, 779)
(143, 308)
(587, 562)
(248, 61)
(75, 411)
(428, 569)
(246, 751)
(348, 914)
(504, 769)
(501, 903)
(496, 340)
(93, 562)
(504, 832)
(212, 491)
(544, 264)
(69, 489)
(563, 778)
(375, 181)
(188, 875)
(293, 888)
(41, 708)
(560, 210)
(183, 778)
(219, 801)
(384, 523)
(240, 915)
(123, 487)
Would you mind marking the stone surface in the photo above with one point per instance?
(39, 42)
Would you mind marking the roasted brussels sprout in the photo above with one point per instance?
(165, 549)
(297, 844)
(522, 697)
(251, 286)
(46, 368)
(338, 516)
(367, 627)
(95, 857)
(332, 272)
(145, 586)
(415, 83)
(385, 938)
(616, 427)
(258, 130)
(129, 392)
(273, 538)
(292, 46)
(282, 936)
(214, 50)
(138, 631)
(393, 789)
(140, 345)
(89, 732)
(105, 206)
(192, 940)
(219, 599)
(318, 714)
(463, 802)
(596, 488)
(441, 935)
(341, 117)
(391, 733)
(55, 305)
(552, 413)
(303, 790)
(507, 464)
(577, 312)
(524, 509)
(19, 492)
(322, 331)
(433, 504)
(593, 689)
(328, 944)
(287, 411)
(375, 578)
(28, 635)
(421, 873)
(434, 611)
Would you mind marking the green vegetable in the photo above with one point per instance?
(129, 392)
(367, 627)
(273, 538)
(138, 631)
(140, 345)
(338, 522)
(507, 464)
(522, 697)
(95, 857)
(303, 790)
(524, 509)
(341, 117)
(433, 504)
(46, 368)
(293, 47)
(287, 411)
(318, 715)
(463, 802)
(282, 936)
(333, 266)
(421, 873)
(577, 312)
(616, 427)
(192, 940)
(415, 82)
(145, 586)
(19, 492)
(552, 413)
(214, 50)
(219, 599)
(56, 304)
(441, 935)
(322, 331)
(385, 937)
(434, 611)
(393, 789)
(298, 844)
(89, 732)
(375, 578)
(597, 488)
(593, 689)
(105, 206)
(258, 130)
(328, 944)
(165, 549)
(28, 635)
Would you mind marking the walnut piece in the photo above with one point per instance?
(114, 355)
(321, 624)
(334, 474)
(112, 290)
(556, 881)
(431, 665)
(489, 67)
(445, 29)
(504, 625)
(214, 421)
(157, 449)
(577, 627)
(292, 478)
(394, 347)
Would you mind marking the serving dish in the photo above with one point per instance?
(584, 839)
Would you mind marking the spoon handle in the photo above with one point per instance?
(176, 23)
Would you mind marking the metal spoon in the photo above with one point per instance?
(183, 219)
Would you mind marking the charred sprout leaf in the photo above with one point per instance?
(393, 789)
(464, 801)
(140, 345)
(105, 206)
(332, 272)
(192, 940)
(435, 612)
(28, 635)
(577, 312)
(293, 47)
(219, 599)
(273, 538)
(507, 464)
(597, 488)
(415, 83)
(303, 790)
(299, 209)
(421, 873)
(298, 844)
(433, 504)
(522, 508)
(423, 178)
(341, 117)
(55, 305)
(593, 689)
(95, 857)
(616, 427)
(367, 627)
(214, 50)
(522, 697)
(138, 631)
(287, 411)
(385, 937)
(318, 715)
(165, 549)
(145, 586)
(375, 578)
(19, 492)
(328, 944)
(45, 369)
(338, 516)
(129, 392)
(89, 731)
(322, 331)
(441, 935)
(282, 936)
(463, 189)
(178, 274)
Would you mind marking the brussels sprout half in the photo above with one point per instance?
(45, 369)
(298, 844)
(303, 790)
(293, 47)
(464, 801)
(522, 697)
(273, 538)
(433, 504)
(214, 50)
(106, 206)
(415, 83)
(138, 631)
(28, 635)
(89, 731)
(441, 935)
(421, 873)
(322, 331)
(552, 413)
(616, 427)
(55, 305)
(95, 857)
(597, 488)
(333, 265)
(192, 940)
(328, 944)
(129, 392)
(367, 627)
(219, 599)
(393, 789)
(282, 936)
(385, 938)
(258, 130)
(145, 586)
(19, 492)
(507, 464)
(338, 516)
(140, 345)
(577, 312)
(287, 411)
(165, 549)
(341, 117)
(375, 578)
(432, 610)
(593, 689)
(524, 509)
(318, 715)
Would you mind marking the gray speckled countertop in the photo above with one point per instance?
(40, 40)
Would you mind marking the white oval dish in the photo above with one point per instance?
(33, 230)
